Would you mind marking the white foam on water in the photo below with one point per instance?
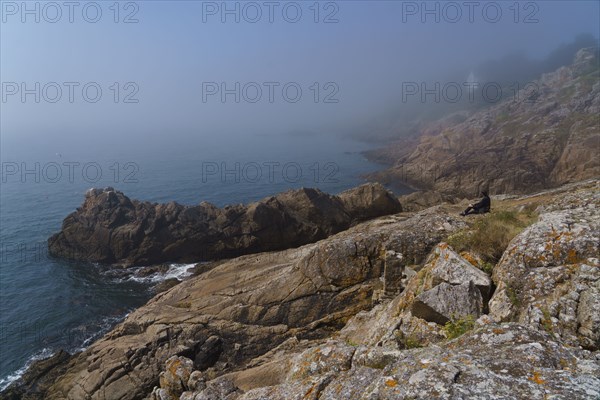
(42, 354)
(105, 325)
(131, 274)
(179, 271)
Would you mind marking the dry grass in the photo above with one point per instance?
(490, 234)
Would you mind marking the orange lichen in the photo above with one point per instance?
(174, 366)
(467, 256)
(556, 253)
(572, 257)
(498, 331)
(537, 378)
(391, 383)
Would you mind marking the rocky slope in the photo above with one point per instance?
(111, 228)
(377, 311)
(548, 134)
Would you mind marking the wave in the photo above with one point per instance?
(151, 275)
(79, 338)
(178, 271)
(99, 329)
(42, 354)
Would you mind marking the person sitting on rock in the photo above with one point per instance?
(481, 207)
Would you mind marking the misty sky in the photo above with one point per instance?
(171, 51)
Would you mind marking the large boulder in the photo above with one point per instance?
(549, 277)
(368, 201)
(447, 288)
(447, 302)
(111, 228)
(174, 379)
(446, 265)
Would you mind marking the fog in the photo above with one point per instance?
(177, 74)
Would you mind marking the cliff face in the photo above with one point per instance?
(243, 308)
(547, 135)
(539, 340)
(111, 228)
(377, 311)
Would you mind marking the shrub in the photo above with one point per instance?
(459, 326)
(487, 267)
(407, 342)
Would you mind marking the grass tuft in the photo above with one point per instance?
(490, 234)
(459, 326)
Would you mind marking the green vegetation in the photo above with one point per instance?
(459, 326)
(587, 82)
(407, 342)
(421, 275)
(513, 295)
(547, 320)
(487, 267)
(490, 234)
(512, 127)
(589, 77)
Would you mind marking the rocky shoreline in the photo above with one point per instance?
(111, 228)
(388, 308)
(304, 295)
(545, 136)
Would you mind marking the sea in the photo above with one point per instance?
(47, 304)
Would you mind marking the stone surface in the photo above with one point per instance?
(173, 380)
(111, 228)
(507, 361)
(450, 267)
(447, 302)
(549, 276)
(423, 199)
(545, 136)
(302, 323)
(237, 311)
(38, 376)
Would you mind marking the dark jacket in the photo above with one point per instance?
(483, 206)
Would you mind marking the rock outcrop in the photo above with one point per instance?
(544, 136)
(317, 322)
(241, 309)
(507, 361)
(445, 302)
(111, 228)
(391, 352)
(549, 277)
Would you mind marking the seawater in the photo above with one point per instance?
(48, 304)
